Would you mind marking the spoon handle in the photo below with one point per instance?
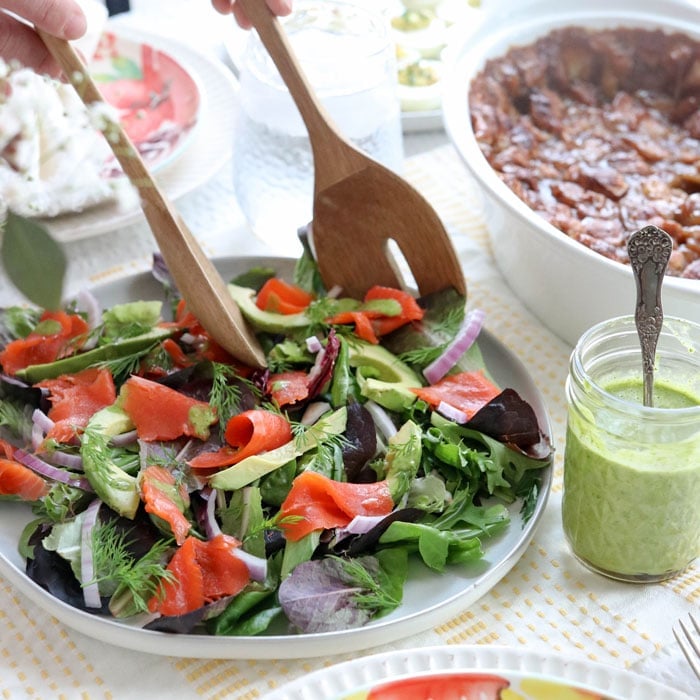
(649, 251)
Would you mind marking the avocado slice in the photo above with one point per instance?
(265, 320)
(112, 484)
(382, 377)
(252, 468)
(90, 358)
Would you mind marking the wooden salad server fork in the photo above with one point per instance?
(359, 205)
(197, 279)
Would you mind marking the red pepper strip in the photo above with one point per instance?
(18, 480)
(206, 347)
(362, 320)
(466, 391)
(248, 433)
(288, 387)
(6, 449)
(38, 348)
(75, 398)
(203, 572)
(444, 686)
(370, 324)
(281, 297)
(164, 499)
(176, 353)
(161, 413)
(316, 502)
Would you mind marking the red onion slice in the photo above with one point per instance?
(313, 344)
(40, 419)
(464, 339)
(88, 302)
(123, 439)
(359, 525)
(314, 411)
(452, 413)
(211, 526)
(381, 419)
(70, 460)
(257, 566)
(48, 470)
(41, 424)
(91, 591)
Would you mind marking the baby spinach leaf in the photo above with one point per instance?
(33, 260)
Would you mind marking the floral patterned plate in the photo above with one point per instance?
(480, 672)
(157, 99)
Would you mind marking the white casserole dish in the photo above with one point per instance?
(565, 284)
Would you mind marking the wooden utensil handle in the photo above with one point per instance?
(195, 275)
(77, 74)
(316, 118)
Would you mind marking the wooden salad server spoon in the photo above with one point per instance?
(359, 205)
(197, 279)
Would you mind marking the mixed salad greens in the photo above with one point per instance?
(173, 486)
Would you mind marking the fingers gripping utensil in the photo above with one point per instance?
(649, 251)
(197, 279)
(359, 205)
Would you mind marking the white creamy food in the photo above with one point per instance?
(52, 155)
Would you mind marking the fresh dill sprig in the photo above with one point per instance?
(123, 367)
(114, 563)
(451, 322)
(373, 595)
(225, 397)
(15, 419)
(326, 446)
(422, 357)
(320, 309)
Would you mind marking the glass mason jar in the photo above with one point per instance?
(631, 503)
(346, 52)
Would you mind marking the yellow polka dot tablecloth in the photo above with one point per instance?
(546, 602)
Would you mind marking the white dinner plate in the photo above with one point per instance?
(208, 150)
(429, 598)
(532, 676)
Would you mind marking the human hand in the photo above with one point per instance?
(18, 40)
(225, 7)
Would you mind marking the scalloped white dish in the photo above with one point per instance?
(429, 598)
(483, 672)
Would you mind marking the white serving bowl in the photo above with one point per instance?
(565, 284)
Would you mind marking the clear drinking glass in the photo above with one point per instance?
(346, 52)
(631, 503)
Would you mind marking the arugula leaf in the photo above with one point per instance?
(249, 613)
(33, 260)
(243, 518)
(61, 503)
(17, 322)
(254, 278)
(15, 418)
(437, 547)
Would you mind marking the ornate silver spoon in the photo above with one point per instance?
(649, 251)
